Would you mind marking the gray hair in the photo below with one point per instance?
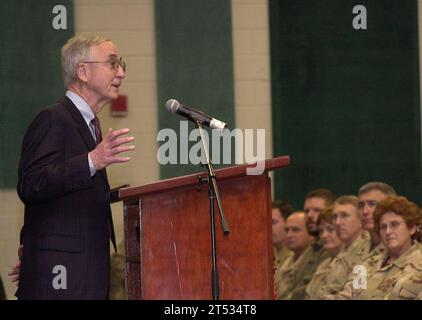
(380, 186)
(76, 50)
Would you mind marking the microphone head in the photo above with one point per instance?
(172, 105)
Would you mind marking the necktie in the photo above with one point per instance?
(97, 129)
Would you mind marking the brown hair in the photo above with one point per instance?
(410, 212)
(285, 208)
(325, 194)
(326, 215)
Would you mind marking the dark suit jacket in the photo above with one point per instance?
(67, 212)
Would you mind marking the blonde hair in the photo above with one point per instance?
(74, 51)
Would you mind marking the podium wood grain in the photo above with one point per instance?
(168, 239)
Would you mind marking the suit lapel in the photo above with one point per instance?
(82, 128)
(80, 122)
(90, 143)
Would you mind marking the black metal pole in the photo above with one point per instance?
(213, 181)
(214, 272)
(213, 194)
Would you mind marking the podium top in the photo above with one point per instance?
(193, 179)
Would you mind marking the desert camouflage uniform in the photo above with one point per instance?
(377, 250)
(318, 280)
(280, 255)
(401, 279)
(342, 266)
(295, 275)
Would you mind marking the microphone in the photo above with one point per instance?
(173, 106)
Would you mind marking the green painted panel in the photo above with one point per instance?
(30, 72)
(345, 101)
(194, 64)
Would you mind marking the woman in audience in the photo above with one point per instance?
(397, 273)
(332, 244)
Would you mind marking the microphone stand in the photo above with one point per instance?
(213, 194)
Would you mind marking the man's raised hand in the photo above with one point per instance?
(107, 151)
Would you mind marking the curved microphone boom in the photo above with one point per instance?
(173, 106)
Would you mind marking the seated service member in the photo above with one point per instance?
(356, 245)
(332, 244)
(397, 273)
(297, 271)
(280, 212)
(369, 195)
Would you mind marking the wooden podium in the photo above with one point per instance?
(168, 238)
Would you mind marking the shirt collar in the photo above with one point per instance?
(404, 259)
(82, 106)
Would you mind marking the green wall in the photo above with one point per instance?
(30, 72)
(194, 63)
(345, 101)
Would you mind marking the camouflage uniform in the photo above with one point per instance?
(342, 266)
(295, 275)
(280, 255)
(401, 279)
(117, 273)
(374, 251)
(318, 280)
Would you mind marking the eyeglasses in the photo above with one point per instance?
(393, 225)
(370, 203)
(114, 62)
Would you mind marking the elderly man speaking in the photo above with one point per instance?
(63, 181)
